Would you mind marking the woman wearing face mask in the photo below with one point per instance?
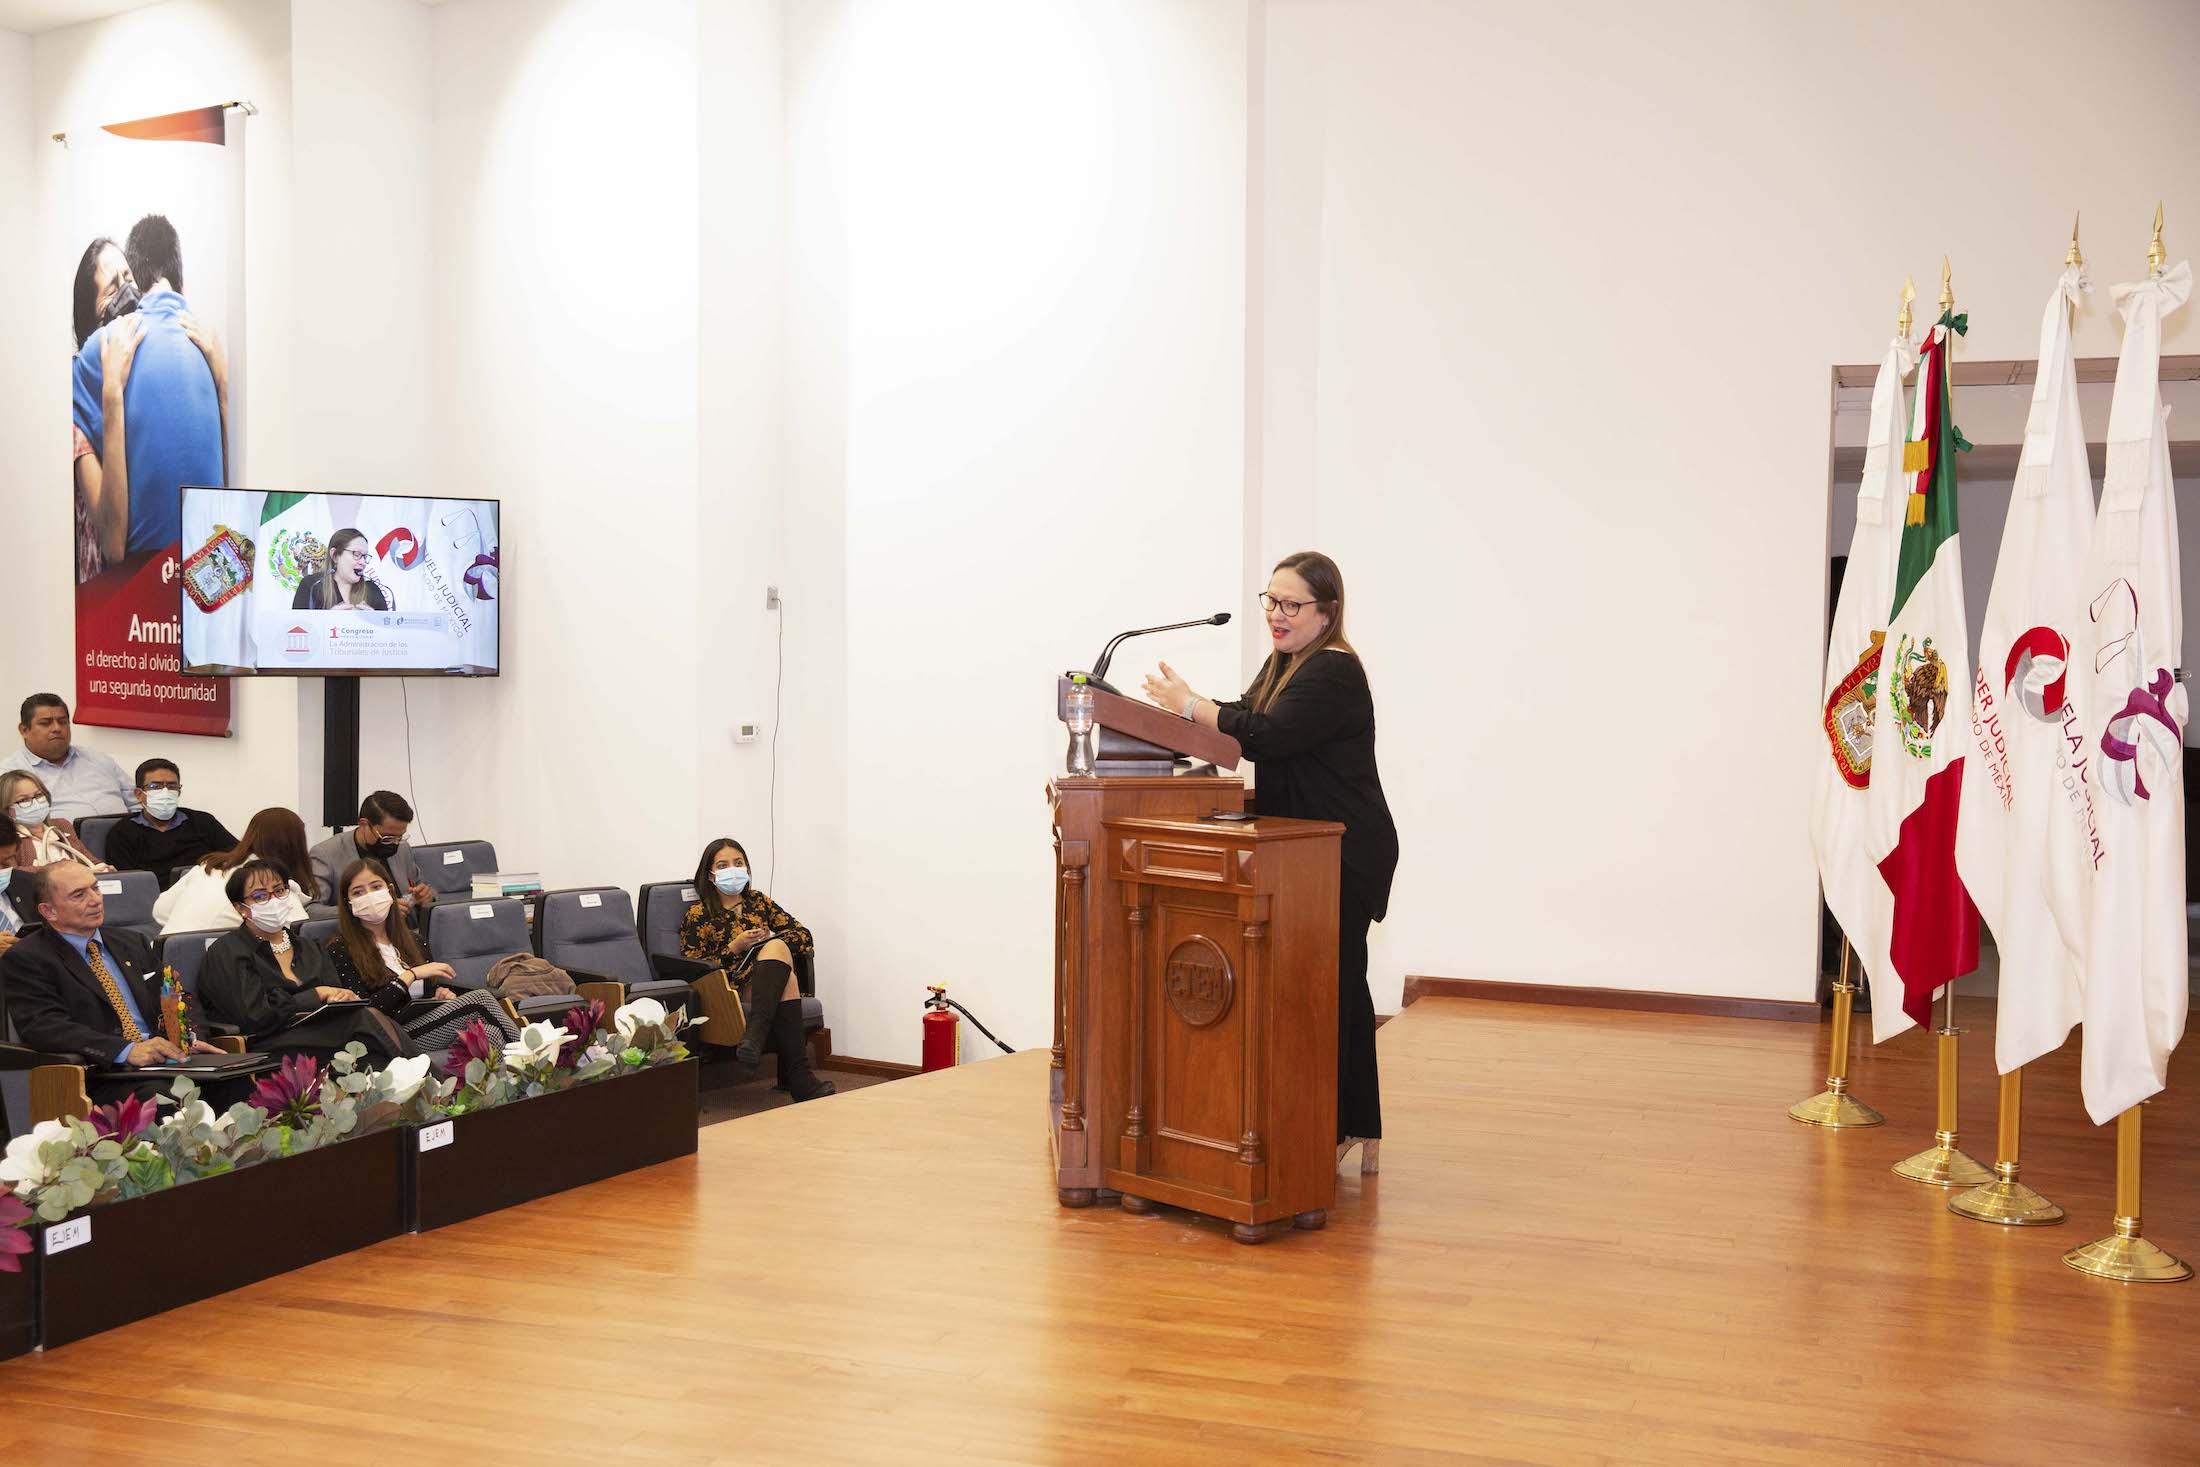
(745, 932)
(104, 303)
(1308, 724)
(200, 902)
(40, 837)
(382, 962)
(264, 981)
(104, 294)
(343, 585)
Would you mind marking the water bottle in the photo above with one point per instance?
(1077, 713)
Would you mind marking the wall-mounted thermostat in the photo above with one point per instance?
(745, 733)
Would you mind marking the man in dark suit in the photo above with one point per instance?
(74, 988)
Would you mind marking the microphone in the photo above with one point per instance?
(1098, 676)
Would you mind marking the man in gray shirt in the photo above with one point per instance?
(384, 817)
(81, 781)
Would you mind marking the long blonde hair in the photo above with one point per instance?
(1327, 583)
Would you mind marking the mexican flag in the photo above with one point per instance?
(2023, 846)
(293, 538)
(2136, 985)
(1920, 737)
(1852, 696)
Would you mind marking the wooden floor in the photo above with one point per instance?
(1598, 1238)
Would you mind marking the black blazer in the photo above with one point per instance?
(59, 1007)
(314, 595)
(1315, 746)
(242, 984)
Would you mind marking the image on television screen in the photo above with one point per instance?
(301, 584)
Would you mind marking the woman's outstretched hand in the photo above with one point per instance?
(1168, 690)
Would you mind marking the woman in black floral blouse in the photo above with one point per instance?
(752, 937)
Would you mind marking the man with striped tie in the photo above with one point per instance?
(75, 987)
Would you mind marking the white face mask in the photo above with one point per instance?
(268, 916)
(32, 812)
(732, 880)
(372, 907)
(161, 804)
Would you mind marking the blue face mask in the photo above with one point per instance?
(732, 880)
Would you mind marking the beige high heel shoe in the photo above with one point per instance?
(1370, 1153)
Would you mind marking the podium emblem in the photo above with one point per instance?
(1199, 982)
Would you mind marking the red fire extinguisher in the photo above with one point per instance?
(943, 1030)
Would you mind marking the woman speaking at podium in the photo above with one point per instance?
(1308, 722)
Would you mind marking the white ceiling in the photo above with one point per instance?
(32, 16)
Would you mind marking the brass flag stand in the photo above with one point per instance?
(2123, 1255)
(2006, 1200)
(1833, 1107)
(1941, 1164)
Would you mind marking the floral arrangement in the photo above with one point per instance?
(586, 1047)
(138, 1146)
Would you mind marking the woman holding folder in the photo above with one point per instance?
(1308, 722)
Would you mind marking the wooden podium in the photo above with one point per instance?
(1195, 985)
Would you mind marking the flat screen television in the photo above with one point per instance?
(313, 585)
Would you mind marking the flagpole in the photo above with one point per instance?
(1833, 1107)
(1942, 1164)
(2123, 1255)
(2005, 1200)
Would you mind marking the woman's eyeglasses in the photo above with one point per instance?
(1290, 609)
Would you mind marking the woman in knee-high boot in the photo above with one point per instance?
(1308, 723)
(745, 932)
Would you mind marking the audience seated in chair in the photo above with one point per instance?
(378, 957)
(83, 781)
(735, 925)
(33, 835)
(52, 975)
(264, 981)
(199, 900)
(164, 835)
(384, 817)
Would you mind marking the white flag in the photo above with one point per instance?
(2129, 649)
(1855, 893)
(2025, 843)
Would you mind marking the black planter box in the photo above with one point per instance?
(532, 1148)
(19, 1304)
(175, 1247)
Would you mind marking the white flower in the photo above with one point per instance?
(635, 1015)
(538, 1044)
(401, 1079)
(22, 1170)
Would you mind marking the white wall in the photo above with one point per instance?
(29, 380)
(189, 53)
(1034, 215)
(564, 271)
(1568, 282)
(362, 311)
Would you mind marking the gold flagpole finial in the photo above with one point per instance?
(2074, 259)
(1947, 291)
(1902, 322)
(2156, 255)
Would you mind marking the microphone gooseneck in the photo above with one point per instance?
(1100, 665)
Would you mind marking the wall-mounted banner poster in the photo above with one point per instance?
(156, 381)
